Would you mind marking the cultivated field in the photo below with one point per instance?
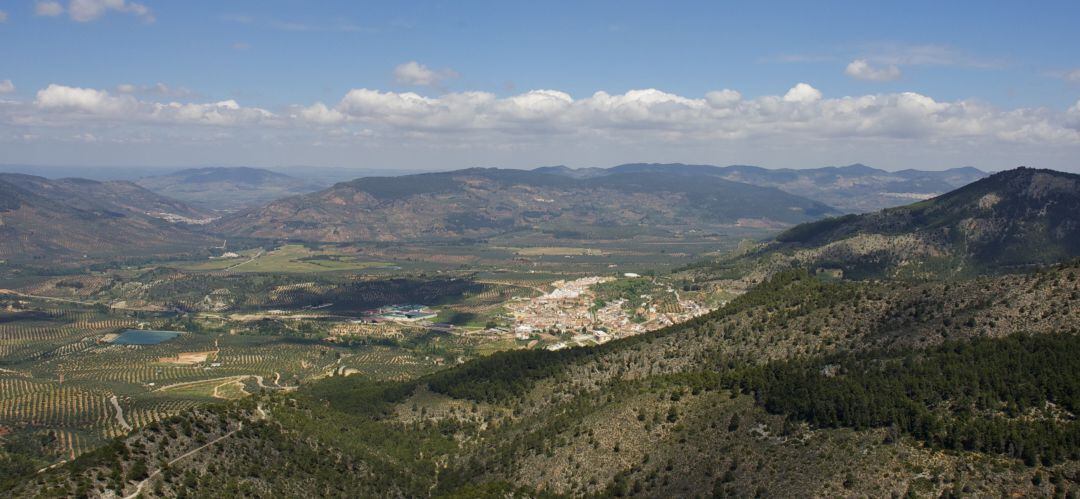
(274, 318)
(63, 384)
(288, 258)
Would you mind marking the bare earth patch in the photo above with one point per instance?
(188, 358)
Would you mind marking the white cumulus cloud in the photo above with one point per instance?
(860, 69)
(222, 113)
(723, 98)
(84, 100)
(802, 92)
(535, 105)
(363, 101)
(319, 114)
(89, 10)
(551, 122)
(416, 74)
(655, 115)
(61, 102)
(6, 87)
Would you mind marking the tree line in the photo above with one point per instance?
(1016, 396)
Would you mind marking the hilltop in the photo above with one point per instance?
(482, 202)
(227, 189)
(1010, 220)
(852, 189)
(44, 220)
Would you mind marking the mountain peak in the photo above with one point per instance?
(971, 170)
(859, 168)
(1025, 181)
(243, 174)
(1012, 219)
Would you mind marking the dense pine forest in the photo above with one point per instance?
(1013, 396)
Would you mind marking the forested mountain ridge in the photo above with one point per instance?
(717, 404)
(853, 189)
(1012, 220)
(483, 202)
(110, 195)
(56, 220)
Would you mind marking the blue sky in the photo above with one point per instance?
(277, 83)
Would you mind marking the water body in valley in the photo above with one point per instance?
(141, 337)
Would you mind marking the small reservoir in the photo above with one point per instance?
(143, 337)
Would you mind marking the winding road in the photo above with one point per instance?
(257, 255)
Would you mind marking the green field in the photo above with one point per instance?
(292, 258)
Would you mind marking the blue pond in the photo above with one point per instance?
(141, 337)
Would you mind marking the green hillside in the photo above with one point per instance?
(799, 387)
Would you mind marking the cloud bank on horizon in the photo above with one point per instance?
(872, 103)
(479, 122)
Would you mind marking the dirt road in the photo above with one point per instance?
(139, 487)
(119, 413)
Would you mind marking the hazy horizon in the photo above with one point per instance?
(338, 173)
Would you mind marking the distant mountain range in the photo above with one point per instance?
(483, 202)
(1012, 219)
(227, 189)
(48, 221)
(74, 217)
(852, 189)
